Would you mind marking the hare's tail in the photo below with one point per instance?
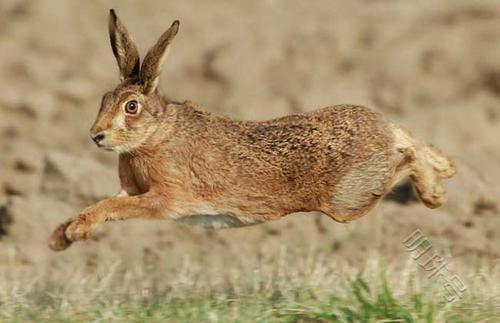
(427, 167)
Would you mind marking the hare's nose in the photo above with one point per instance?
(98, 137)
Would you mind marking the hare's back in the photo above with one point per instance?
(319, 148)
(341, 133)
(334, 137)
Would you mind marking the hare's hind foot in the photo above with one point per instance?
(426, 166)
(442, 165)
(428, 170)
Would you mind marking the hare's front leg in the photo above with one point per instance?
(148, 205)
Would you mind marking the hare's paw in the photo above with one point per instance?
(79, 229)
(58, 240)
(433, 197)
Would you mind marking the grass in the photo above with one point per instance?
(361, 301)
(276, 288)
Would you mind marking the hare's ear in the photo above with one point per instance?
(123, 47)
(151, 67)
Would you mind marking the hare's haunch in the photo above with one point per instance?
(179, 162)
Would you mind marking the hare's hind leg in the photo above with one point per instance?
(359, 189)
(425, 165)
(348, 215)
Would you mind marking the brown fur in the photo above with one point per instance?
(178, 162)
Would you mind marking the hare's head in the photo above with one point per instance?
(129, 113)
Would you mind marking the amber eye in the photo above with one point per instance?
(132, 107)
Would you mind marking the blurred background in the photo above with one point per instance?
(432, 66)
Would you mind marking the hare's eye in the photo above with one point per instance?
(131, 107)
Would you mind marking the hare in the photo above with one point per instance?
(179, 162)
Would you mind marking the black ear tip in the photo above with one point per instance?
(176, 23)
(112, 13)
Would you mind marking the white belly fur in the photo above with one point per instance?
(212, 219)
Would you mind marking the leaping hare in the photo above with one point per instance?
(179, 162)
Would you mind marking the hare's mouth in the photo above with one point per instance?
(118, 148)
(102, 141)
(107, 148)
(102, 145)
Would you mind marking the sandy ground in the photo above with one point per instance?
(430, 65)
